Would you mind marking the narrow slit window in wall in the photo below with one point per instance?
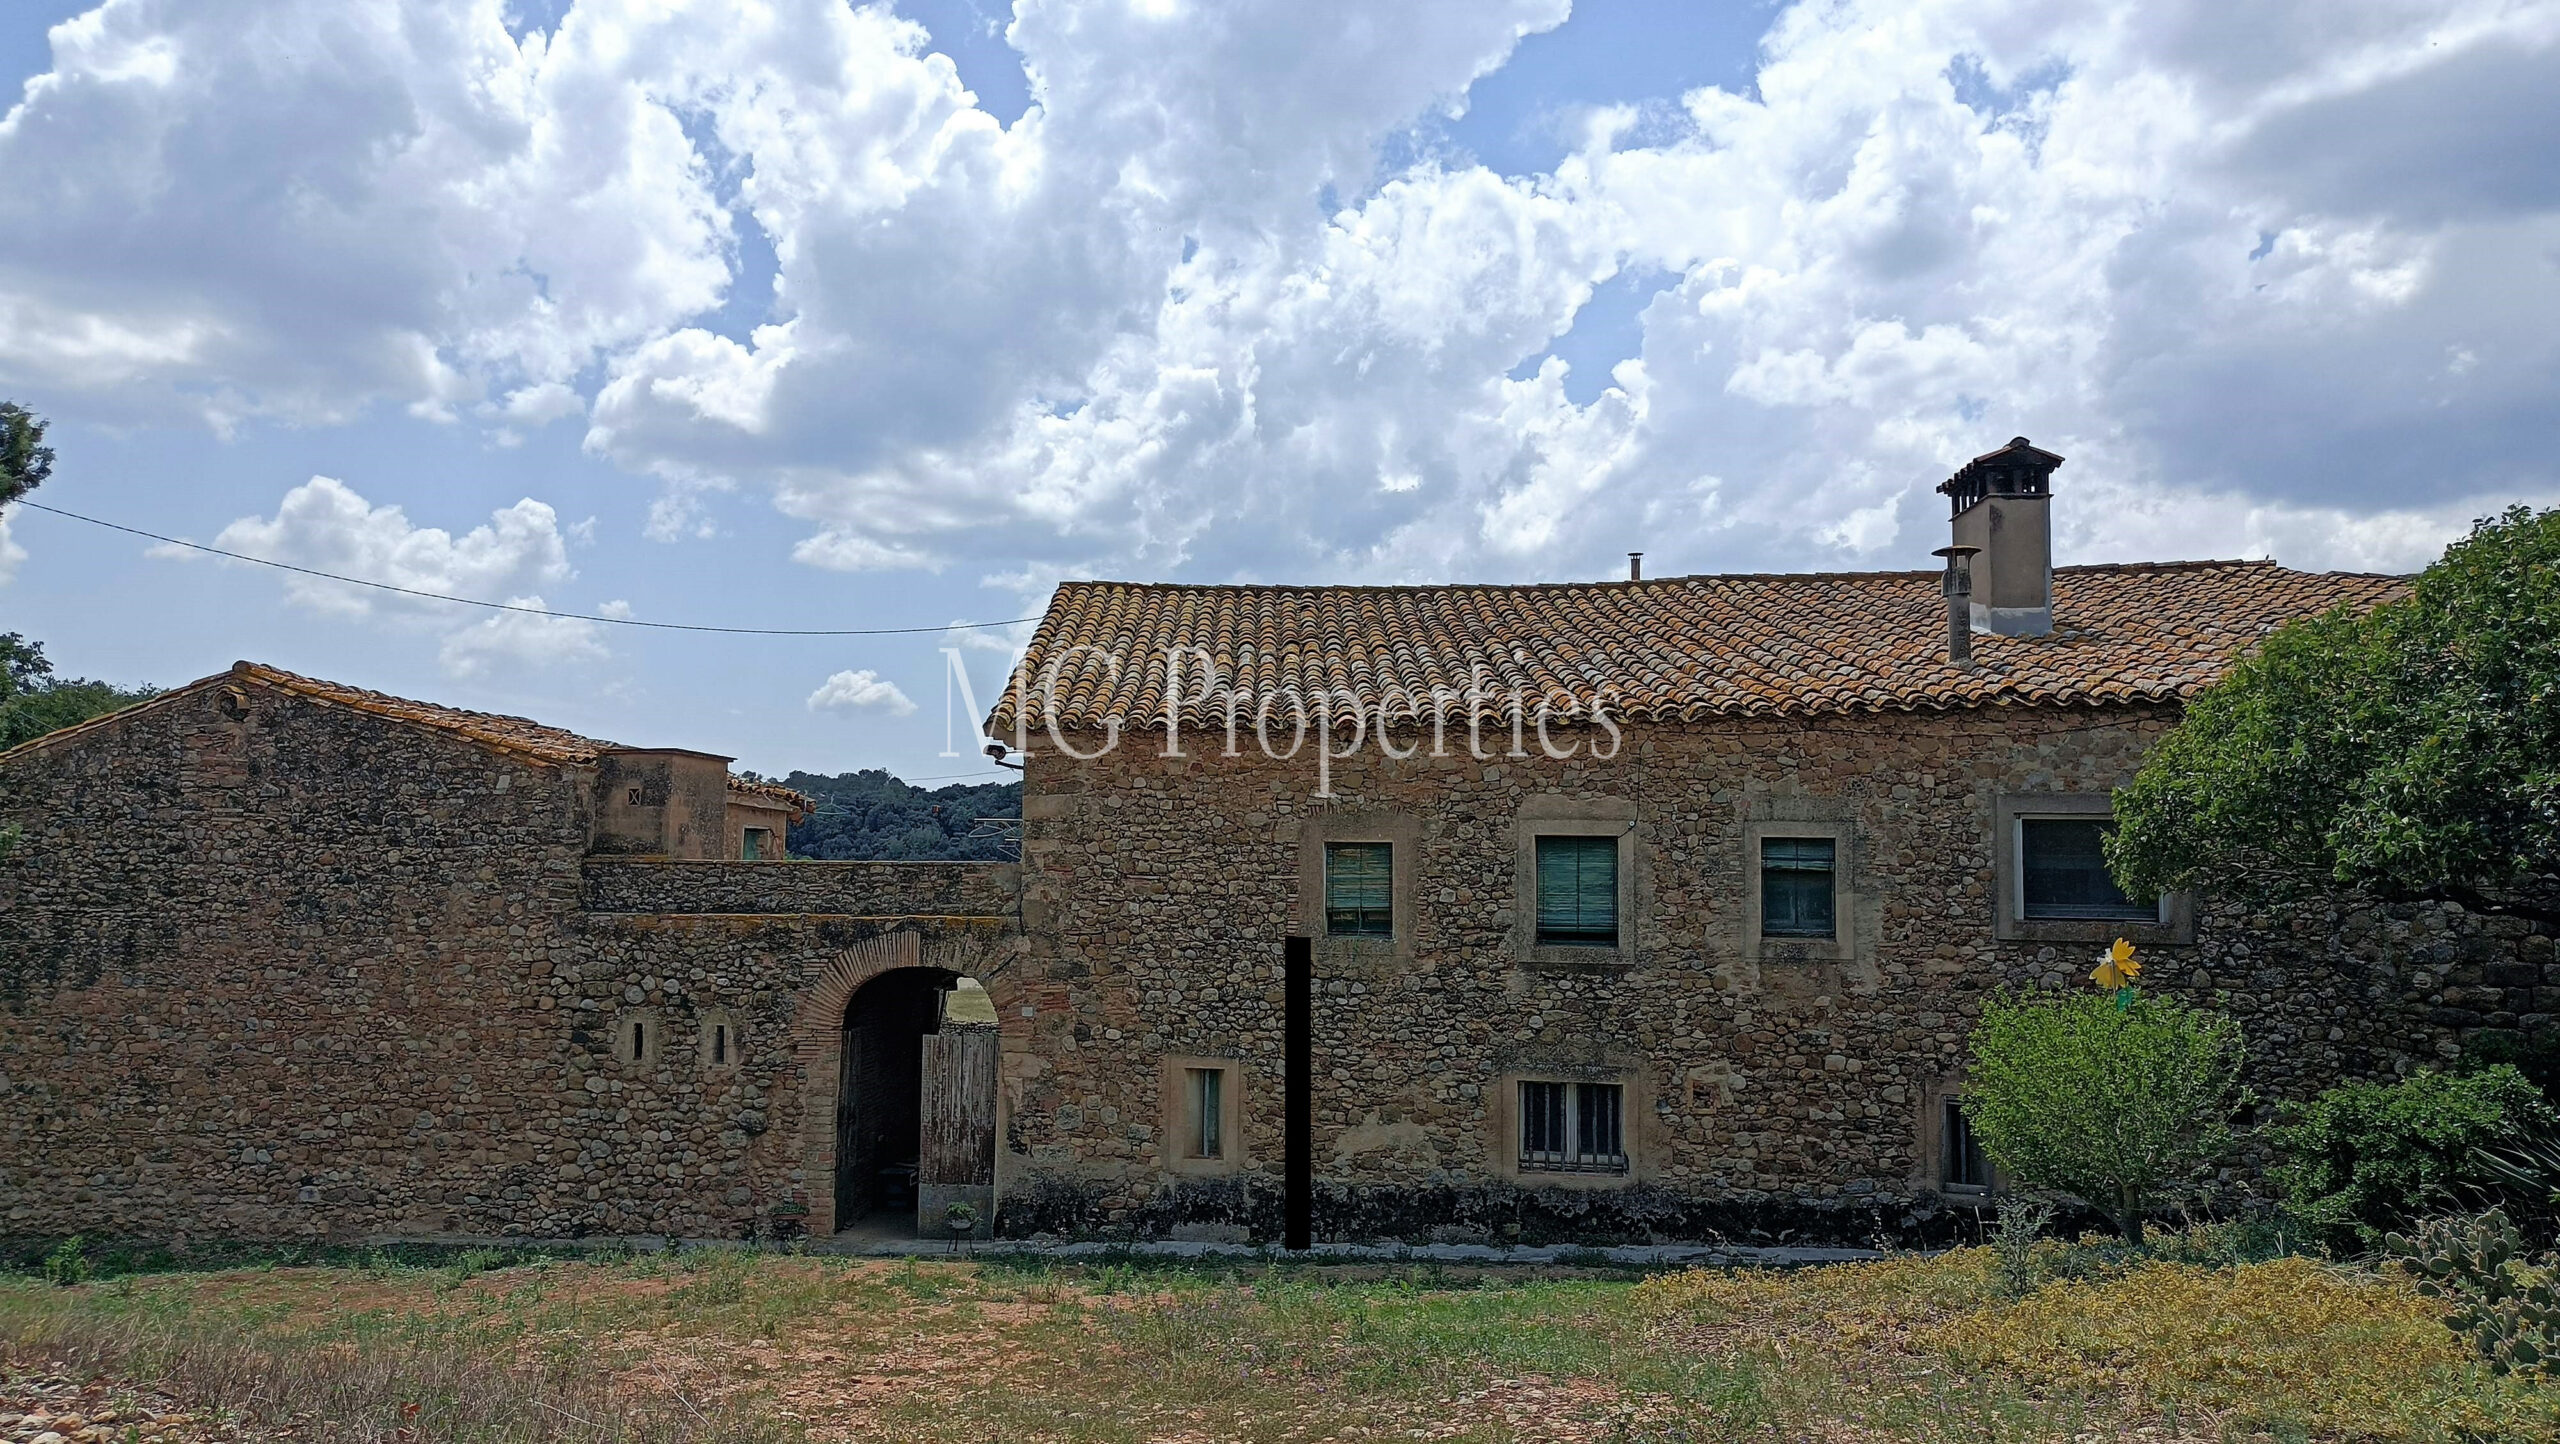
(1204, 1102)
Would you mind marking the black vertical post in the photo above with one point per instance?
(1299, 1129)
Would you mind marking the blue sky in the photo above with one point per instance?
(788, 314)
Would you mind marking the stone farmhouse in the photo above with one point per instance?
(1644, 908)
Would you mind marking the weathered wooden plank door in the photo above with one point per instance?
(851, 1183)
(958, 1142)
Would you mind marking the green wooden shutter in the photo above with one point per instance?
(1359, 887)
(1795, 886)
(1578, 891)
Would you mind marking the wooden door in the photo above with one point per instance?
(852, 1187)
(957, 1147)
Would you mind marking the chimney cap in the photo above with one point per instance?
(2020, 468)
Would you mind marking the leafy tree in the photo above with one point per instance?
(2108, 1098)
(871, 814)
(2413, 750)
(2365, 1158)
(25, 461)
(34, 702)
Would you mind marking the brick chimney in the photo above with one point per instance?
(2002, 501)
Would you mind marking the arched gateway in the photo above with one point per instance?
(901, 1104)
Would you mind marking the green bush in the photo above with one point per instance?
(2366, 1158)
(2536, 1055)
(2109, 1102)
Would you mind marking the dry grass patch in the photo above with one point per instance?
(768, 1349)
(2291, 1346)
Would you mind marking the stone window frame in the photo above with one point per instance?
(706, 1023)
(652, 1034)
(1549, 816)
(1502, 1124)
(1174, 1101)
(2175, 925)
(1402, 833)
(1930, 1159)
(1848, 890)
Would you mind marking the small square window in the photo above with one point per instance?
(1962, 1165)
(1578, 891)
(1572, 1128)
(2063, 866)
(756, 844)
(1359, 889)
(1203, 1116)
(1796, 886)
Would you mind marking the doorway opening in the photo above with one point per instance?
(915, 1101)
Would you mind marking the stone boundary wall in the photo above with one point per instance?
(836, 889)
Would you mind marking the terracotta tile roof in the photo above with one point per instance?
(800, 803)
(1679, 647)
(507, 734)
(516, 736)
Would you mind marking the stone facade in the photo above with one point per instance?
(274, 967)
(1770, 1084)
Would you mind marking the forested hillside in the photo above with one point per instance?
(870, 814)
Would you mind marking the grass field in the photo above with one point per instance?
(736, 1346)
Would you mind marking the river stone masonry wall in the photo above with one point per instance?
(1770, 1086)
(273, 969)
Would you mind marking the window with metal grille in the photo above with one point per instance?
(1962, 1167)
(1572, 1128)
(2063, 864)
(1578, 891)
(1204, 1099)
(1795, 886)
(1359, 887)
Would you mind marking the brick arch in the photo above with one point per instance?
(817, 1026)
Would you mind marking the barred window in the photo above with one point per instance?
(1795, 886)
(1578, 891)
(1359, 885)
(1572, 1128)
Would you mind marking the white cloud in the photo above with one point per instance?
(326, 526)
(521, 639)
(11, 554)
(2272, 276)
(862, 691)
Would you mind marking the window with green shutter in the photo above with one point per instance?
(1795, 886)
(1578, 891)
(1359, 889)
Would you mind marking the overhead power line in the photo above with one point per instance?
(529, 611)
